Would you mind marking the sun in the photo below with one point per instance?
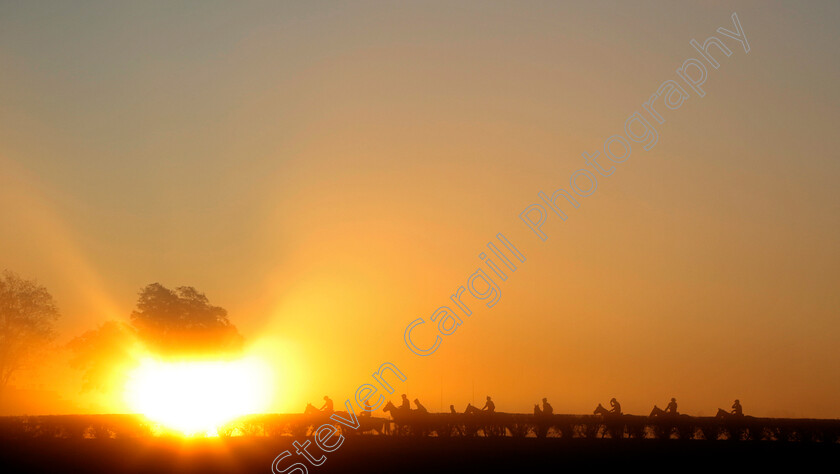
(195, 398)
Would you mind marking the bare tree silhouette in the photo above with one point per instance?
(27, 314)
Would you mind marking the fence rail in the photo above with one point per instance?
(448, 425)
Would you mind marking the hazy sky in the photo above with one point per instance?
(330, 171)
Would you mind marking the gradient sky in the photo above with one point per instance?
(330, 171)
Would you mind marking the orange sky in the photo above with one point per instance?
(330, 174)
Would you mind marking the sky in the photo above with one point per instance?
(330, 171)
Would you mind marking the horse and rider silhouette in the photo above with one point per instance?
(404, 409)
(366, 421)
(325, 410)
(670, 410)
(615, 409)
(737, 412)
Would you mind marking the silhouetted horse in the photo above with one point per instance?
(313, 417)
(400, 416)
(736, 426)
(471, 410)
(395, 411)
(483, 420)
(657, 412)
(541, 422)
(600, 410)
(418, 422)
(612, 423)
(725, 415)
(379, 425)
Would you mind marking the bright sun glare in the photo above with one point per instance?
(197, 397)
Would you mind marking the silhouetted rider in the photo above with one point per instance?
(671, 409)
(616, 407)
(420, 408)
(328, 405)
(490, 407)
(406, 405)
(546, 408)
(736, 408)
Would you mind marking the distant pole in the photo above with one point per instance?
(473, 397)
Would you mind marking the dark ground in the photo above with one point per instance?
(371, 454)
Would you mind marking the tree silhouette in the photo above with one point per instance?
(181, 321)
(27, 314)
